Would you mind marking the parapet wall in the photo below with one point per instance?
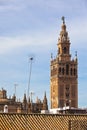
(42, 122)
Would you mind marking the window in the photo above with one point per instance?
(59, 70)
(71, 71)
(74, 71)
(63, 71)
(67, 95)
(67, 69)
(67, 88)
(65, 50)
(59, 51)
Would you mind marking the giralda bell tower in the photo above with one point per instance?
(64, 74)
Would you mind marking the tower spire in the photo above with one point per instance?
(63, 43)
(45, 105)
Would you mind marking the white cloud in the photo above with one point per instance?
(56, 5)
(38, 41)
(77, 32)
(46, 37)
(9, 5)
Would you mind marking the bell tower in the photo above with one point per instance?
(64, 44)
(63, 74)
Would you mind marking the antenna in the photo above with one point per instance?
(31, 94)
(15, 85)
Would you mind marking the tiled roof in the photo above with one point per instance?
(42, 122)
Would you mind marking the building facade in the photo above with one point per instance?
(12, 105)
(64, 74)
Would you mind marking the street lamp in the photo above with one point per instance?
(31, 59)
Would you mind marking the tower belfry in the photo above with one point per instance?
(64, 75)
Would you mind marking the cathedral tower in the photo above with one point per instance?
(63, 74)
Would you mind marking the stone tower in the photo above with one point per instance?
(63, 74)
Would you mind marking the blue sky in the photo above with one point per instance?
(31, 28)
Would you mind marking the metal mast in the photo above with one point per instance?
(31, 59)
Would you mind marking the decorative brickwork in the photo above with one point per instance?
(42, 122)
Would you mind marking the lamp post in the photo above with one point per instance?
(31, 59)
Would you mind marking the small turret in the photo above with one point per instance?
(3, 94)
(45, 105)
(25, 99)
(75, 56)
(14, 98)
(24, 102)
(37, 100)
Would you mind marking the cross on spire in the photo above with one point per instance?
(63, 19)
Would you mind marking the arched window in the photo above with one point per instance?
(74, 71)
(67, 69)
(63, 71)
(60, 70)
(59, 51)
(71, 71)
(67, 95)
(65, 50)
